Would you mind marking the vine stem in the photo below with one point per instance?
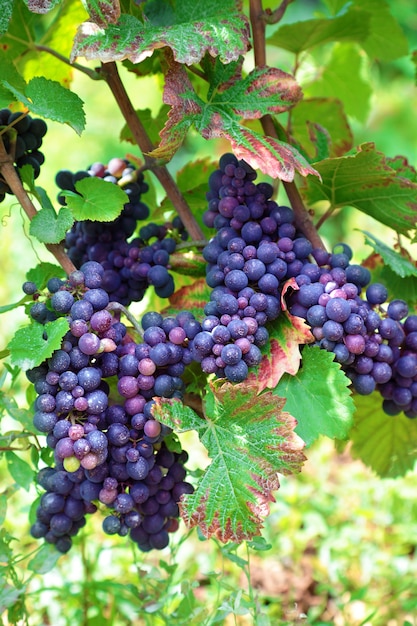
(258, 23)
(116, 306)
(12, 179)
(142, 139)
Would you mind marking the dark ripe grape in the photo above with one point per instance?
(60, 524)
(376, 293)
(82, 310)
(381, 372)
(89, 344)
(338, 309)
(388, 328)
(111, 525)
(159, 540)
(164, 386)
(355, 344)
(364, 384)
(101, 321)
(45, 422)
(39, 312)
(97, 297)
(406, 366)
(402, 396)
(118, 434)
(138, 470)
(231, 354)
(29, 288)
(333, 331)
(236, 373)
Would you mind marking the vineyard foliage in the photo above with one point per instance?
(285, 93)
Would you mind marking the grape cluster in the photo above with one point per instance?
(22, 137)
(108, 448)
(255, 250)
(130, 266)
(375, 342)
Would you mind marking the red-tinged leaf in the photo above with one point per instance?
(291, 283)
(191, 298)
(264, 90)
(103, 12)
(283, 356)
(247, 448)
(193, 28)
(273, 157)
(41, 6)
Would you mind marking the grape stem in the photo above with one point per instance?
(12, 179)
(116, 306)
(112, 77)
(258, 23)
(273, 17)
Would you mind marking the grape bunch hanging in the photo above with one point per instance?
(109, 451)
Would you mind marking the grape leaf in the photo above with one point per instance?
(100, 200)
(50, 227)
(103, 12)
(386, 40)
(41, 6)
(5, 15)
(365, 181)
(247, 447)
(397, 262)
(41, 273)
(19, 470)
(402, 288)
(354, 25)
(188, 263)
(32, 344)
(190, 28)
(45, 559)
(51, 100)
(318, 396)
(191, 298)
(385, 443)
(9, 307)
(153, 125)
(328, 113)
(264, 91)
(341, 78)
(403, 168)
(59, 37)
(282, 354)
(10, 76)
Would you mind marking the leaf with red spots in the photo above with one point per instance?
(369, 182)
(41, 6)
(190, 28)
(265, 90)
(283, 353)
(103, 12)
(249, 439)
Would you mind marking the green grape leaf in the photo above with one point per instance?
(9, 307)
(188, 264)
(398, 287)
(19, 470)
(247, 447)
(265, 90)
(195, 175)
(3, 507)
(41, 6)
(341, 78)
(354, 25)
(191, 298)
(402, 167)
(318, 397)
(10, 406)
(100, 200)
(10, 76)
(50, 227)
(396, 261)
(386, 40)
(387, 444)
(41, 273)
(44, 560)
(365, 181)
(153, 125)
(5, 15)
(190, 28)
(53, 101)
(282, 354)
(59, 37)
(329, 115)
(32, 344)
(103, 12)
